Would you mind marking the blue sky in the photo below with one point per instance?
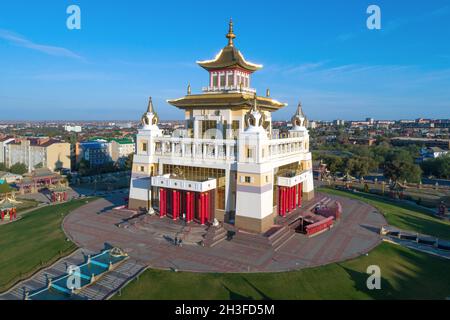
(319, 52)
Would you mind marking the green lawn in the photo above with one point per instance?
(26, 204)
(406, 274)
(403, 216)
(34, 241)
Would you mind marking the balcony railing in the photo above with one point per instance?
(196, 149)
(223, 150)
(228, 88)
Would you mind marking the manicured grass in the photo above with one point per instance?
(34, 241)
(403, 216)
(406, 274)
(26, 204)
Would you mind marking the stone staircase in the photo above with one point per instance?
(255, 241)
(280, 237)
(215, 235)
(113, 281)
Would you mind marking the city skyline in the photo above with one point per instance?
(322, 54)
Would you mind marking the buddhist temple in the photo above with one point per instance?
(226, 164)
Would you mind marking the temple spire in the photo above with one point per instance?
(230, 35)
(300, 110)
(150, 105)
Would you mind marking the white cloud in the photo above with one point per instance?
(21, 41)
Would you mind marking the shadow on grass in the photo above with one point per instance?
(360, 284)
(233, 295)
(408, 275)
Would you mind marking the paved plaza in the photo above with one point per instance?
(149, 240)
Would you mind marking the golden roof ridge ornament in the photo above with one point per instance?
(230, 35)
(150, 118)
(150, 105)
(255, 118)
(299, 120)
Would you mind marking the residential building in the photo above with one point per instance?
(76, 129)
(96, 152)
(120, 149)
(39, 152)
(3, 148)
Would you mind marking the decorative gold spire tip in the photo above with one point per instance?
(230, 35)
(150, 105)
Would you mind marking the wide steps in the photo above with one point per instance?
(112, 281)
(280, 237)
(255, 241)
(214, 236)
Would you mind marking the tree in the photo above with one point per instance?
(18, 168)
(358, 166)
(439, 167)
(84, 167)
(399, 166)
(39, 166)
(334, 163)
(3, 167)
(5, 188)
(129, 162)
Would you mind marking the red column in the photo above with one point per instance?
(280, 201)
(295, 196)
(208, 206)
(202, 208)
(199, 205)
(2, 215)
(188, 206)
(174, 204)
(192, 205)
(300, 190)
(284, 202)
(290, 199)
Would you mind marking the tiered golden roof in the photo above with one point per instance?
(226, 100)
(229, 57)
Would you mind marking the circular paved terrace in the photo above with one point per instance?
(95, 225)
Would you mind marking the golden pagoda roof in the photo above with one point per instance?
(229, 57)
(225, 100)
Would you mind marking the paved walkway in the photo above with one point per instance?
(95, 224)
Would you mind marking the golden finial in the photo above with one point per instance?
(150, 105)
(268, 92)
(189, 89)
(230, 35)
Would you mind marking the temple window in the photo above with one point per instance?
(144, 146)
(222, 80)
(248, 179)
(215, 81)
(230, 80)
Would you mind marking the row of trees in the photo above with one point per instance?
(84, 168)
(439, 167)
(17, 168)
(396, 163)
